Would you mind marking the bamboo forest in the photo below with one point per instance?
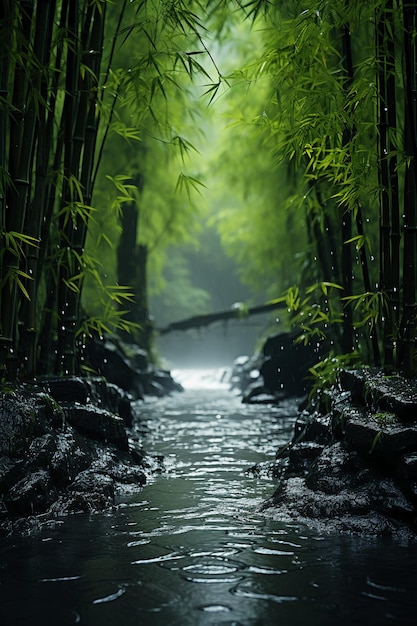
(106, 113)
(208, 312)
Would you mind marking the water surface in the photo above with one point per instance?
(192, 548)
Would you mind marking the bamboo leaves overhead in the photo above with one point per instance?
(62, 97)
(98, 100)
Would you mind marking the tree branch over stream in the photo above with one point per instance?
(237, 311)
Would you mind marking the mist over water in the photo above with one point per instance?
(214, 346)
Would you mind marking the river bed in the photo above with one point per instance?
(193, 548)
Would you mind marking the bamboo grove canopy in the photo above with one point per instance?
(326, 144)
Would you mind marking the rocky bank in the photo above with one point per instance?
(72, 444)
(352, 462)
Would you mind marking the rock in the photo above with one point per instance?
(256, 393)
(409, 465)
(107, 359)
(386, 440)
(20, 423)
(162, 379)
(91, 482)
(301, 456)
(390, 394)
(352, 461)
(97, 423)
(41, 450)
(32, 494)
(66, 388)
(72, 456)
(313, 427)
(286, 361)
(335, 469)
(389, 499)
(61, 458)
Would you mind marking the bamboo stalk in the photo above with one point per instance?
(39, 160)
(18, 189)
(384, 184)
(346, 220)
(80, 167)
(388, 180)
(66, 325)
(7, 11)
(409, 324)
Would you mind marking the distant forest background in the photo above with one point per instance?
(162, 159)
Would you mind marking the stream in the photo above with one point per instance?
(193, 549)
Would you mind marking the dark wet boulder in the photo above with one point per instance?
(164, 380)
(301, 456)
(97, 423)
(386, 394)
(313, 427)
(41, 450)
(73, 454)
(22, 419)
(128, 367)
(32, 494)
(58, 458)
(335, 470)
(66, 388)
(94, 389)
(256, 393)
(281, 369)
(107, 359)
(91, 482)
(350, 465)
(286, 361)
(385, 437)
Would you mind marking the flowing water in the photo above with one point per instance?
(192, 548)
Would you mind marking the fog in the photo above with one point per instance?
(213, 284)
(213, 346)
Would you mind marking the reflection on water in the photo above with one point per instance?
(192, 549)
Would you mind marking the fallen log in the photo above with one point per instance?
(237, 311)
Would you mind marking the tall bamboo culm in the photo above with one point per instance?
(409, 324)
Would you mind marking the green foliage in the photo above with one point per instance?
(325, 374)
(301, 172)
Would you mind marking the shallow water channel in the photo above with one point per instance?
(192, 548)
